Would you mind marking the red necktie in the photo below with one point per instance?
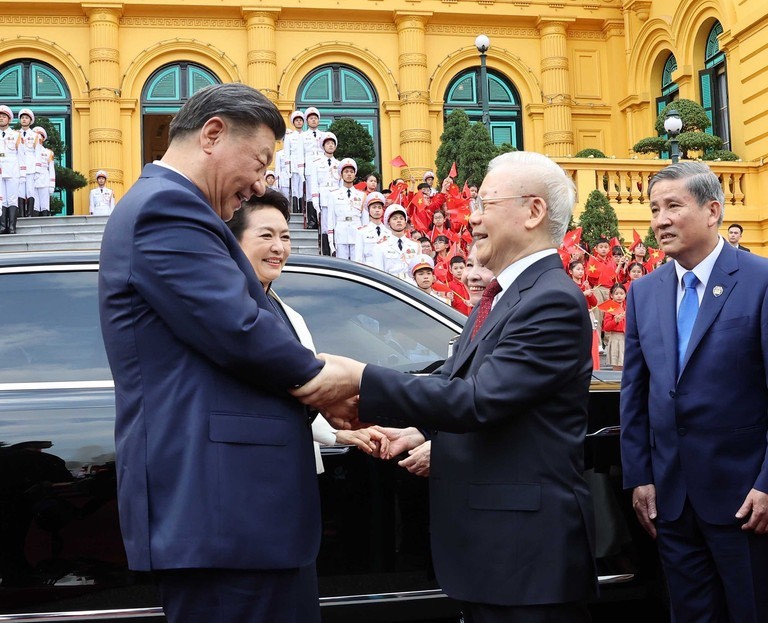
(485, 305)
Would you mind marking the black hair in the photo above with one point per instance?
(240, 104)
(270, 199)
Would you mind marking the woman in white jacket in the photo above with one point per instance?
(261, 228)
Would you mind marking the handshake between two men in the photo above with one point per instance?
(334, 392)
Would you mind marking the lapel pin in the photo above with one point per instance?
(717, 290)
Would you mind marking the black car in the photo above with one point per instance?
(61, 554)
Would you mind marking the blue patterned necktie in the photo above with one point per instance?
(686, 316)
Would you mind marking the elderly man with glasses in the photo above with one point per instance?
(512, 518)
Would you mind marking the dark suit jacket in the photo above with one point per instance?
(701, 434)
(512, 518)
(214, 458)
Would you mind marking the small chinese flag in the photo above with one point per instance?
(361, 185)
(465, 190)
(636, 240)
(453, 173)
(399, 162)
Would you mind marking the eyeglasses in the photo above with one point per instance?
(480, 203)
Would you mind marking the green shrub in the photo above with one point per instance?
(590, 153)
(720, 154)
(651, 145)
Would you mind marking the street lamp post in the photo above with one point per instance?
(672, 126)
(483, 43)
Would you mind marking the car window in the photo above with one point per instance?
(357, 320)
(50, 328)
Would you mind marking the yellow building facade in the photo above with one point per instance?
(565, 75)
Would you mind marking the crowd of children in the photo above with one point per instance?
(605, 276)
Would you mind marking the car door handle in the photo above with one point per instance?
(608, 431)
(334, 450)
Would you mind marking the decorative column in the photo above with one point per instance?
(555, 81)
(105, 139)
(262, 56)
(415, 137)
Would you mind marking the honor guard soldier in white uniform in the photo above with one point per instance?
(45, 176)
(293, 145)
(374, 231)
(394, 254)
(324, 177)
(283, 170)
(102, 198)
(312, 139)
(10, 142)
(345, 212)
(271, 179)
(29, 148)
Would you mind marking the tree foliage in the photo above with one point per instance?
(651, 145)
(650, 239)
(698, 141)
(599, 219)
(477, 150)
(456, 126)
(505, 148)
(721, 154)
(590, 153)
(693, 116)
(355, 143)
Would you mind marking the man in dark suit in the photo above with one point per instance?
(512, 519)
(694, 405)
(735, 232)
(216, 476)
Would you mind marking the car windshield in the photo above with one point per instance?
(357, 320)
(50, 328)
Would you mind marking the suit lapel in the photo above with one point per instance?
(666, 301)
(509, 298)
(722, 280)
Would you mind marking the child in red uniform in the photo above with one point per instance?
(614, 325)
(459, 293)
(576, 271)
(634, 271)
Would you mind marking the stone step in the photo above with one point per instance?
(49, 233)
(62, 221)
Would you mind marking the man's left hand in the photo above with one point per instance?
(756, 507)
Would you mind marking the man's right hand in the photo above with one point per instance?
(338, 380)
(644, 503)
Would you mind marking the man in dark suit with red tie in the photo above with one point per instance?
(512, 518)
(694, 405)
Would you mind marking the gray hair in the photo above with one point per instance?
(701, 182)
(559, 190)
(238, 103)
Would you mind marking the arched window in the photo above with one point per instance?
(669, 89)
(31, 84)
(164, 93)
(503, 103)
(713, 80)
(339, 91)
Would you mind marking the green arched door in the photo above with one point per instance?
(503, 102)
(164, 93)
(31, 84)
(339, 91)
